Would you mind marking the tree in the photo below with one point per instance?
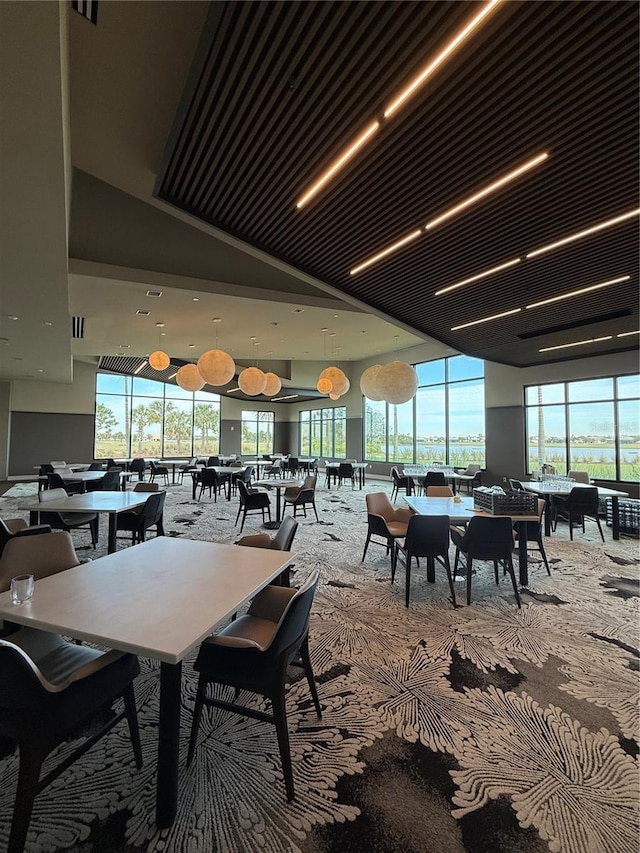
(139, 420)
(105, 420)
(177, 425)
(206, 419)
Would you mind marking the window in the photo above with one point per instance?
(443, 423)
(141, 417)
(257, 433)
(590, 425)
(323, 432)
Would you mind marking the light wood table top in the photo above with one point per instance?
(91, 502)
(551, 489)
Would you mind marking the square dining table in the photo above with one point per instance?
(462, 510)
(547, 489)
(159, 599)
(110, 503)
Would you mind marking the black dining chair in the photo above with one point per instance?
(404, 483)
(213, 461)
(535, 533)
(580, 503)
(137, 521)
(346, 472)
(209, 479)
(252, 501)
(432, 478)
(50, 690)
(111, 481)
(516, 486)
(282, 541)
(385, 522)
(56, 482)
(97, 466)
(486, 539)
(159, 471)
(67, 520)
(244, 475)
(253, 653)
(299, 497)
(138, 466)
(428, 537)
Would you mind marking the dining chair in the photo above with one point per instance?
(439, 492)
(244, 475)
(302, 496)
(111, 481)
(282, 541)
(45, 554)
(209, 479)
(159, 471)
(212, 461)
(253, 653)
(472, 471)
(385, 522)
(10, 528)
(486, 539)
(138, 466)
(252, 501)
(293, 465)
(432, 478)
(580, 477)
(399, 482)
(275, 469)
(427, 536)
(67, 520)
(146, 487)
(137, 521)
(346, 472)
(97, 466)
(56, 482)
(579, 504)
(50, 690)
(516, 486)
(191, 465)
(535, 533)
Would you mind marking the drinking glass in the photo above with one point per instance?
(22, 587)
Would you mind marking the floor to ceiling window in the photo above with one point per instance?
(589, 425)
(323, 432)
(257, 433)
(141, 417)
(443, 423)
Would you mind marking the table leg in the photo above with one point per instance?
(274, 525)
(522, 553)
(111, 547)
(615, 518)
(34, 518)
(194, 480)
(409, 486)
(547, 515)
(168, 744)
(228, 479)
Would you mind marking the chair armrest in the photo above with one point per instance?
(256, 540)
(34, 530)
(15, 524)
(271, 602)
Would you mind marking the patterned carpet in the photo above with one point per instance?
(481, 729)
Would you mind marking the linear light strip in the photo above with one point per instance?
(585, 233)
(404, 95)
(383, 254)
(415, 84)
(338, 164)
(141, 366)
(579, 291)
(496, 185)
(576, 343)
(626, 334)
(486, 319)
(477, 277)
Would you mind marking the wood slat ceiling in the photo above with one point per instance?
(279, 89)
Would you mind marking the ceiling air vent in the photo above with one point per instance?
(77, 327)
(142, 313)
(155, 293)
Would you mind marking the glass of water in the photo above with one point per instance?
(22, 587)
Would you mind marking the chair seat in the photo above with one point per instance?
(76, 518)
(246, 632)
(397, 528)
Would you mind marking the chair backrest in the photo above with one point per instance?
(580, 477)
(111, 481)
(209, 477)
(489, 538)
(96, 466)
(153, 508)
(395, 474)
(427, 536)
(378, 503)
(295, 620)
(345, 469)
(13, 527)
(439, 492)
(293, 463)
(56, 482)
(46, 468)
(213, 460)
(580, 500)
(146, 487)
(52, 495)
(61, 463)
(139, 465)
(516, 486)
(283, 540)
(434, 478)
(309, 483)
(247, 474)
(243, 491)
(472, 469)
(40, 556)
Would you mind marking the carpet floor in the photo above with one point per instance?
(481, 729)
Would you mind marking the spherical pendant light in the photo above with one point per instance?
(369, 382)
(334, 396)
(273, 384)
(252, 381)
(324, 385)
(397, 382)
(189, 378)
(159, 360)
(216, 367)
(337, 379)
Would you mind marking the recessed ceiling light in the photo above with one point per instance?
(163, 334)
(253, 338)
(408, 238)
(155, 293)
(626, 334)
(477, 277)
(324, 330)
(11, 317)
(297, 311)
(274, 323)
(192, 346)
(119, 353)
(593, 230)
(577, 343)
(40, 370)
(125, 346)
(160, 325)
(216, 319)
(48, 323)
(140, 366)
(490, 188)
(196, 299)
(142, 313)
(486, 319)
(579, 291)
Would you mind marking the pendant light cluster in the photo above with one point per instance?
(395, 383)
(332, 380)
(216, 367)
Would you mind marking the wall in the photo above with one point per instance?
(5, 425)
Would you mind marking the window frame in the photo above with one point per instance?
(325, 419)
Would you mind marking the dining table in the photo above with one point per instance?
(175, 464)
(159, 599)
(545, 489)
(279, 486)
(460, 510)
(359, 468)
(85, 477)
(109, 503)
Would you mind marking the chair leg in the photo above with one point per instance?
(447, 565)
(27, 789)
(132, 719)
(366, 545)
(238, 515)
(407, 583)
(308, 671)
(244, 515)
(469, 573)
(544, 554)
(280, 719)
(509, 565)
(597, 521)
(495, 571)
(315, 510)
(195, 722)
